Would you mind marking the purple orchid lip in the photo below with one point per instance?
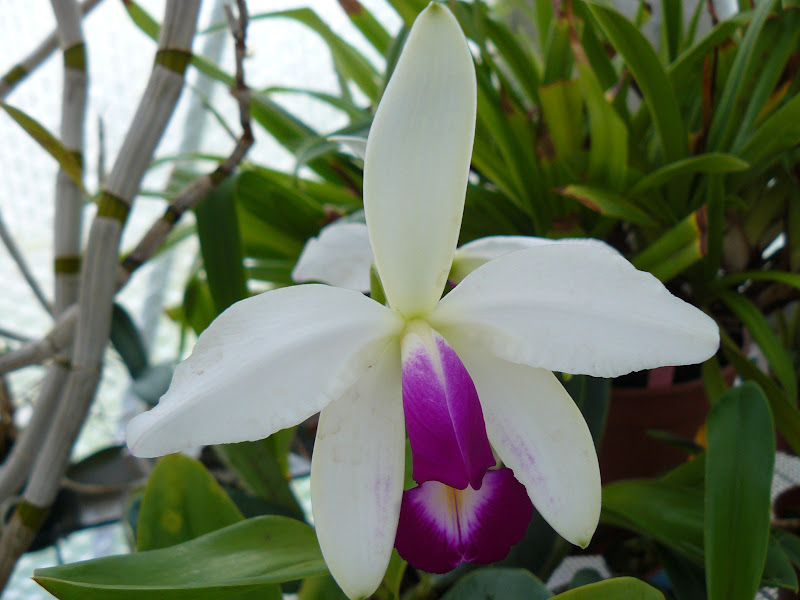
(443, 415)
(441, 527)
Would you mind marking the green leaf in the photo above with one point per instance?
(776, 134)
(609, 204)
(789, 543)
(778, 358)
(608, 155)
(198, 305)
(787, 417)
(368, 25)
(677, 249)
(349, 63)
(618, 588)
(221, 246)
(739, 463)
(687, 65)
(670, 514)
(322, 587)
(181, 502)
(792, 279)
(142, 19)
(714, 162)
(686, 578)
(153, 382)
(778, 569)
(128, 341)
(562, 106)
(355, 113)
(651, 78)
(725, 121)
(259, 466)
(672, 26)
(245, 560)
(498, 583)
(273, 218)
(591, 394)
(68, 161)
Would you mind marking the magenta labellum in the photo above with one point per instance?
(440, 527)
(443, 414)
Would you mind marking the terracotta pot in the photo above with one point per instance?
(627, 451)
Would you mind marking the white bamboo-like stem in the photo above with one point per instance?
(67, 242)
(69, 198)
(30, 63)
(22, 264)
(37, 351)
(98, 278)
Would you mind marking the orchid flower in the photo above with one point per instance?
(468, 375)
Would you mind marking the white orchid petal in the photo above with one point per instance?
(357, 477)
(340, 256)
(417, 162)
(538, 432)
(265, 364)
(356, 145)
(478, 252)
(576, 309)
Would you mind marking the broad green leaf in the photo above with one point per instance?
(787, 417)
(408, 9)
(562, 107)
(67, 160)
(585, 576)
(691, 473)
(221, 245)
(651, 78)
(245, 560)
(726, 115)
(618, 588)
(321, 587)
(128, 342)
(714, 162)
(259, 466)
(670, 514)
(274, 218)
(181, 502)
(608, 155)
(498, 583)
(677, 249)
(740, 458)
(778, 358)
(609, 204)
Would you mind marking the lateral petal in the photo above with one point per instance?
(443, 414)
(441, 527)
(340, 256)
(538, 431)
(357, 477)
(577, 309)
(417, 162)
(266, 363)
